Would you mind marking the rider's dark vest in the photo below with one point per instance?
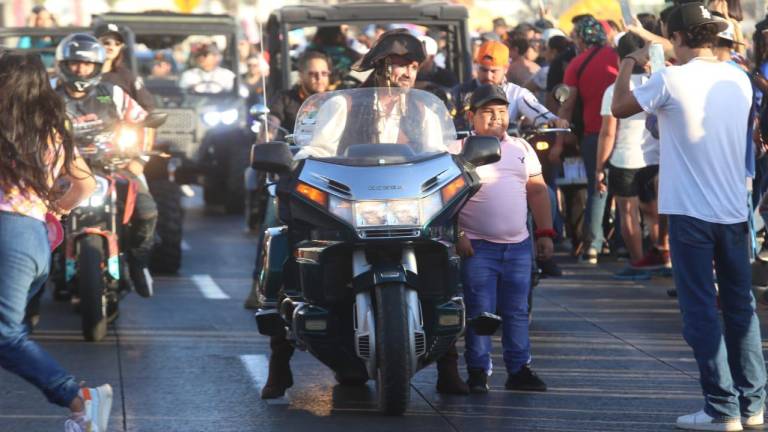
(98, 103)
(363, 129)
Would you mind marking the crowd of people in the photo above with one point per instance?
(668, 151)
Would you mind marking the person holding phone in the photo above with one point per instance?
(703, 108)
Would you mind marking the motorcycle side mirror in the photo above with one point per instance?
(562, 93)
(481, 150)
(273, 157)
(259, 110)
(485, 324)
(155, 119)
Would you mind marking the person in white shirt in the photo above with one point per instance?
(703, 107)
(208, 76)
(625, 147)
(395, 62)
(492, 62)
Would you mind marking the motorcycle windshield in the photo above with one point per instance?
(373, 126)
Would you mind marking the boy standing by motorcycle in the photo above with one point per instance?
(495, 245)
(96, 106)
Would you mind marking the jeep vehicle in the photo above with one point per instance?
(292, 24)
(206, 127)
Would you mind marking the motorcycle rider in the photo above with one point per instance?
(112, 38)
(492, 62)
(96, 106)
(394, 61)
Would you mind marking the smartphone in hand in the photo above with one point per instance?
(656, 55)
(626, 12)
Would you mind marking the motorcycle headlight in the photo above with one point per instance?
(99, 196)
(361, 214)
(127, 140)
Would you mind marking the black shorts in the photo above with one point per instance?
(623, 182)
(647, 179)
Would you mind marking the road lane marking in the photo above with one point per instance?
(185, 246)
(208, 287)
(257, 367)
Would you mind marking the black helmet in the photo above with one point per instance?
(393, 42)
(80, 47)
(110, 29)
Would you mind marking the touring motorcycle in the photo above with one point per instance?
(364, 273)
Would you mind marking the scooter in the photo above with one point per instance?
(364, 273)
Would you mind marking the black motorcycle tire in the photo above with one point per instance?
(166, 253)
(92, 288)
(393, 349)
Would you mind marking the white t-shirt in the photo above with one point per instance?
(703, 108)
(523, 103)
(333, 115)
(216, 81)
(635, 147)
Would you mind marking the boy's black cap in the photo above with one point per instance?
(688, 16)
(487, 93)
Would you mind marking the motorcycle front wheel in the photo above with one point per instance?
(393, 349)
(92, 288)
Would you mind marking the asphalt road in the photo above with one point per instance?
(191, 359)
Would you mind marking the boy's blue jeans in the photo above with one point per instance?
(497, 279)
(730, 357)
(24, 265)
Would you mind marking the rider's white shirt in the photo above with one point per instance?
(332, 120)
(216, 81)
(703, 109)
(523, 103)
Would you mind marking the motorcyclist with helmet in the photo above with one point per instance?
(394, 61)
(95, 106)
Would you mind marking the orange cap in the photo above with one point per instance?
(493, 54)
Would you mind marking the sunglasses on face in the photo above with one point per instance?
(323, 74)
(111, 43)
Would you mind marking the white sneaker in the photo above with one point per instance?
(754, 420)
(703, 422)
(98, 406)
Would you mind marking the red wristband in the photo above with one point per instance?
(549, 232)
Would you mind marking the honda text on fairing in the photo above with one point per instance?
(364, 274)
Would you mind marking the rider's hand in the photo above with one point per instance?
(464, 247)
(545, 248)
(600, 185)
(559, 123)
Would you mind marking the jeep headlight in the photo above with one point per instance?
(215, 118)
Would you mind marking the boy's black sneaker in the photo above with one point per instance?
(525, 380)
(478, 381)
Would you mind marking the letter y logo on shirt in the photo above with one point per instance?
(522, 159)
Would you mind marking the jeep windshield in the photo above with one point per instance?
(191, 64)
(373, 126)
